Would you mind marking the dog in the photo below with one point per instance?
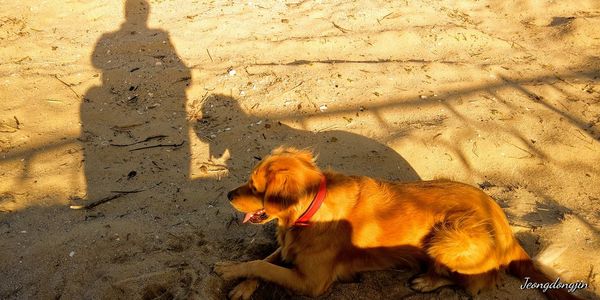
(332, 226)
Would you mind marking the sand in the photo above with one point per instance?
(168, 107)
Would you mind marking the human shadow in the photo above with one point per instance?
(244, 139)
(134, 125)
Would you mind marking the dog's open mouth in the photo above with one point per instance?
(255, 217)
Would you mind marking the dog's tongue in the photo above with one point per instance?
(254, 217)
(247, 217)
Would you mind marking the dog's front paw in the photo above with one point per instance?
(244, 290)
(228, 270)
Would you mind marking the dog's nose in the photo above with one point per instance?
(230, 195)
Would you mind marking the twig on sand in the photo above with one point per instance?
(343, 30)
(284, 92)
(104, 200)
(233, 219)
(145, 140)
(528, 152)
(127, 192)
(67, 85)
(474, 148)
(591, 274)
(157, 146)
(211, 59)
(125, 128)
(583, 137)
(383, 18)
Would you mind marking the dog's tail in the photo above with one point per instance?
(523, 268)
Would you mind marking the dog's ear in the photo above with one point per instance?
(282, 189)
(290, 175)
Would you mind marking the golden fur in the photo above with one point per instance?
(455, 233)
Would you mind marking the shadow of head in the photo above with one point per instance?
(226, 126)
(137, 12)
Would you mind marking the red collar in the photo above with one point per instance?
(304, 219)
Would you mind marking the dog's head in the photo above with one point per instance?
(278, 186)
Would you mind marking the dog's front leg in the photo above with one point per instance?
(246, 288)
(311, 285)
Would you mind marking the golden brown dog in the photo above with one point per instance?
(331, 226)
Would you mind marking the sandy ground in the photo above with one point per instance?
(170, 112)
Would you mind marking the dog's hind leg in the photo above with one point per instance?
(475, 283)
